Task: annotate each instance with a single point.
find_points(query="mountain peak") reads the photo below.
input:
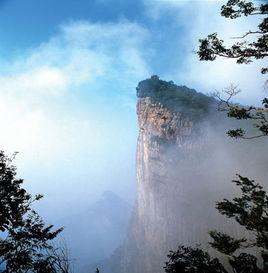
(176, 98)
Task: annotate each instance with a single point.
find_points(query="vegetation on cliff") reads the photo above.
(176, 98)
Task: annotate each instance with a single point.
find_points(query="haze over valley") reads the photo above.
(120, 115)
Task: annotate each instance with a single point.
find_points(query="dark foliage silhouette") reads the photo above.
(25, 240)
(194, 260)
(250, 210)
(243, 52)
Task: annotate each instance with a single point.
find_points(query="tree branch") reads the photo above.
(249, 33)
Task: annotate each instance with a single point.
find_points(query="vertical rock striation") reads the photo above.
(175, 182)
(157, 192)
(167, 134)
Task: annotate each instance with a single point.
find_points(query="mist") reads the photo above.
(185, 164)
(68, 99)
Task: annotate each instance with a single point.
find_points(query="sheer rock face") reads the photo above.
(169, 148)
(162, 217)
(158, 219)
(155, 166)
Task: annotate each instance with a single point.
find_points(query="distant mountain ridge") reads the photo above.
(94, 234)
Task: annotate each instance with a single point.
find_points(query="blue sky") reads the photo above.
(68, 75)
(28, 23)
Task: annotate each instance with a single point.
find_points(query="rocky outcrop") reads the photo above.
(179, 174)
(168, 133)
(155, 220)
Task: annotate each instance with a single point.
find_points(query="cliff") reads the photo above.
(184, 162)
(168, 132)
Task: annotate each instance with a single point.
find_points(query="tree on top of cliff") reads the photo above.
(243, 52)
(25, 240)
(176, 98)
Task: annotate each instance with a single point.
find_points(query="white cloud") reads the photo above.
(41, 79)
(52, 109)
(80, 54)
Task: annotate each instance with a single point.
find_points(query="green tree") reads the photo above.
(250, 210)
(192, 260)
(25, 240)
(243, 52)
